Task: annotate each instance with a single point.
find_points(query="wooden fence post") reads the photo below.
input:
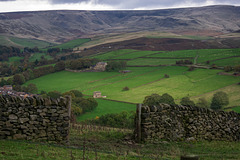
(138, 123)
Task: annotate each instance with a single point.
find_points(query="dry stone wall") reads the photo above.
(37, 119)
(186, 123)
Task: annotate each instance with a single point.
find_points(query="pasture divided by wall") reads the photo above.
(186, 123)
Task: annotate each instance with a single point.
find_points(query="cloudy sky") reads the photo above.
(33, 5)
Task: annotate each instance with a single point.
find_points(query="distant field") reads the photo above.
(151, 61)
(45, 66)
(105, 107)
(29, 42)
(182, 36)
(72, 43)
(204, 55)
(135, 54)
(113, 54)
(227, 62)
(38, 57)
(142, 81)
(220, 57)
(15, 59)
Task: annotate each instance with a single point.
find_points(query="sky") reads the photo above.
(36, 5)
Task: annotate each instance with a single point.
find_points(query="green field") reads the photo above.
(108, 144)
(142, 81)
(220, 57)
(73, 43)
(106, 106)
(151, 61)
(23, 42)
(15, 59)
(113, 54)
(227, 62)
(237, 109)
(203, 55)
(134, 55)
(37, 56)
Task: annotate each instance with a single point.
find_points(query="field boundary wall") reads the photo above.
(177, 123)
(35, 118)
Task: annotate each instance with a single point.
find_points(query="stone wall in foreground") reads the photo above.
(182, 123)
(37, 119)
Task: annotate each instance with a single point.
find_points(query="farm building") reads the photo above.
(98, 94)
(100, 66)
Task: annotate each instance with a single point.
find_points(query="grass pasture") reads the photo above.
(134, 55)
(227, 62)
(113, 54)
(237, 109)
(204, 55)
(105, 107)
(15, 59)
(151, 61)
(37, 56)
(142, 81)
(73, 43)
(23, 42)
(91, 142)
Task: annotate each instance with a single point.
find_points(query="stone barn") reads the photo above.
(100, 66)
(98, 94)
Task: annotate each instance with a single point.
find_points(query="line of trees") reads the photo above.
(219, 100)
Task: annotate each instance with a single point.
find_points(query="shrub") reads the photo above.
(166, 98)
(228, 68)
(54, 94)
(155, 99)
(86, 105)
(76, 110)
(185, 101)
(191, 68)
(125, 89)
(166, 76)
(202, 102)
(152, 100)
(115, 66)
(77, 93)
(219, 100)
(69, 94)
(119, 120)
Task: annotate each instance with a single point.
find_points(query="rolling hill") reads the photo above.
(60, 26)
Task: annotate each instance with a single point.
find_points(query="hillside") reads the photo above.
(60, 26)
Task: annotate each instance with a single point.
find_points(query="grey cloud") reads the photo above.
(131, 4)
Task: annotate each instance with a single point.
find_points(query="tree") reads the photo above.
(228, 68)
(185, 101)
(59, 66)
(219, 100)
(77, 93)
(32, 88)
(116, 65)
(202, 103)
(237, 68)
(125, 88)
(54, 94)
(152, 100)
(18, 79)
(166, 76)
(166, 98)
(69, 94)
(3, 82)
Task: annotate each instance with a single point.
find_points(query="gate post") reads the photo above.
(138, 123)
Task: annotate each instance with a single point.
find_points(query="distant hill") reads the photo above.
(60, 26)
